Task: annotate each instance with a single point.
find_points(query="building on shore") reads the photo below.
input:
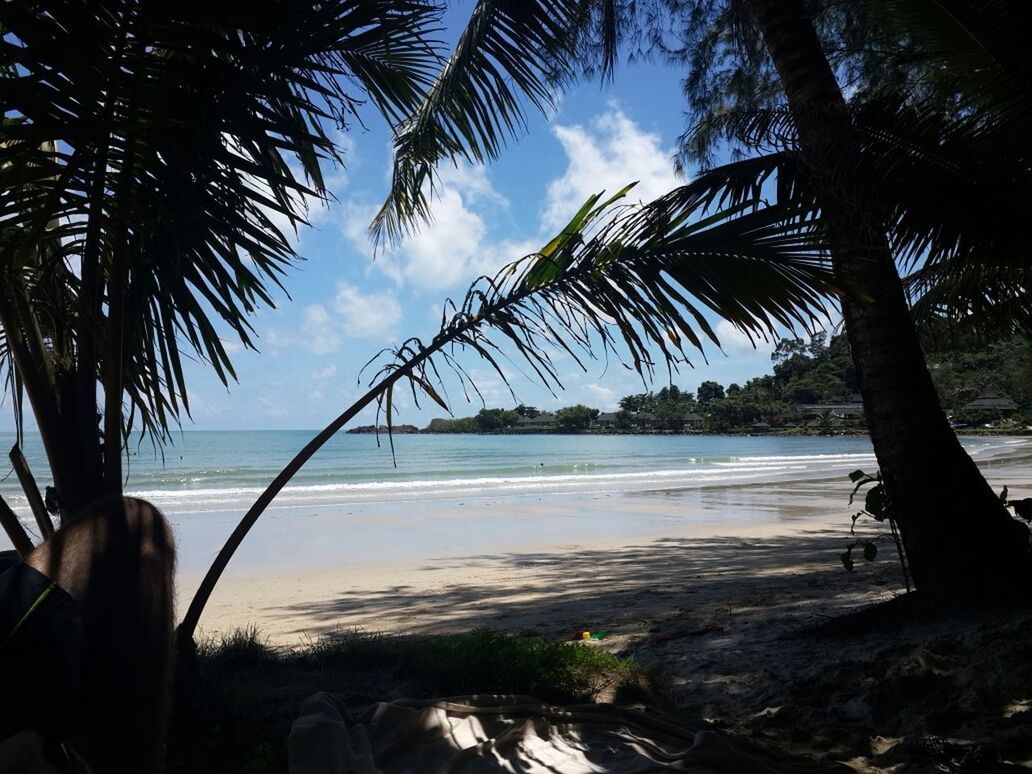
(991, 403)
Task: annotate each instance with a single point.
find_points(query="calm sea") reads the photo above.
(224, 471)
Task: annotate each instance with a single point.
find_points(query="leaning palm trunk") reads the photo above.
(959, 538)
(629, 286)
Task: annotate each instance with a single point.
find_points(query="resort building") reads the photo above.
(989, 401)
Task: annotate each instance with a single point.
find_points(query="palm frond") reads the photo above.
(510, 52)
(973, 48)
(168, 151)
(988, 301)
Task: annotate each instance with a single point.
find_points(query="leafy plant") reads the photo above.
(1022, 508)
(877, 506)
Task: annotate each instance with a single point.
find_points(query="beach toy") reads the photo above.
(585, 635)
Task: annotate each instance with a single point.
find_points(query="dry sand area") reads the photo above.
(743, 624)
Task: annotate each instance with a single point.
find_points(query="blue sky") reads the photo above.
(345, 305)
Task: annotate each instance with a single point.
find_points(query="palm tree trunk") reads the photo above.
(959, 539)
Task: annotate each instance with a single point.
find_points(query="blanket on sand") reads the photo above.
(511, 734)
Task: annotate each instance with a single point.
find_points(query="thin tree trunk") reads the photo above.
(959, 539)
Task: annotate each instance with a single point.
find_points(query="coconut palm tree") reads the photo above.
(858, 168)
(154, 160)
(960, 540)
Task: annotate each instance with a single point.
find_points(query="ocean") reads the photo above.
(450, 497)
(224, 471)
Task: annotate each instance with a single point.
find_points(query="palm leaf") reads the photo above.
(510, 51)
(165, 153)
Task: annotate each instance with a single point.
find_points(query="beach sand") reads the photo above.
(726, 592)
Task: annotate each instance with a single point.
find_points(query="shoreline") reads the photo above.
(303, 578)
(730, 433)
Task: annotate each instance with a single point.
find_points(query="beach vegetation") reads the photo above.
(249, 691)
(709, 391)
(574, 418)
(495, 419)
(877, 506)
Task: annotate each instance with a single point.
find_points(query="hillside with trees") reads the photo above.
(812, 389)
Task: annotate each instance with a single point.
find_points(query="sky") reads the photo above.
(345, 303)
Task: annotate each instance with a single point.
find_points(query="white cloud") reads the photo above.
(472, 182)
(320, 331)
(610, 153)
(458, 244)
(442, 253)
(736, 342)
(323, 374)
(370, 316)
(453, 247)
(605, 397)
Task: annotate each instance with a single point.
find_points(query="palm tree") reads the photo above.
(961, 541)
(154, 158)
(620, 283)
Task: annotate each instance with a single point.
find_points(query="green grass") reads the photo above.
(482, 661)
(249, 692)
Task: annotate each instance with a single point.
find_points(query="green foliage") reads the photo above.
(962, 365)
(573, 418)
(640, 402)
(1022, 508)
(746, 407)
(877, 506)
(479, 661)
(249, 692)
(458, 425)
(624, 420)
(487, 420)
(709, 391)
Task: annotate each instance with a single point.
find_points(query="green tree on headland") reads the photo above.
(708, 391)
(495, 419)
(577, 417)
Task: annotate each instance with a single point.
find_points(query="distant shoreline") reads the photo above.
(789, 433)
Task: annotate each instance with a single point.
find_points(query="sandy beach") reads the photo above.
(731, 615)
(653, 557)
(671, 548)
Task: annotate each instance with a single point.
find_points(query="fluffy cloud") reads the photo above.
(323, 374)
(605, 397)
(736, 342)
(458, 244)
(452, 248)
(370, 316)
(321, 333)
(607, 154)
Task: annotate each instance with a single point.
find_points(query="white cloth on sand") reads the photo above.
(510, 734)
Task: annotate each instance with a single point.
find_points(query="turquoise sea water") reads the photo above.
(225, 471)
